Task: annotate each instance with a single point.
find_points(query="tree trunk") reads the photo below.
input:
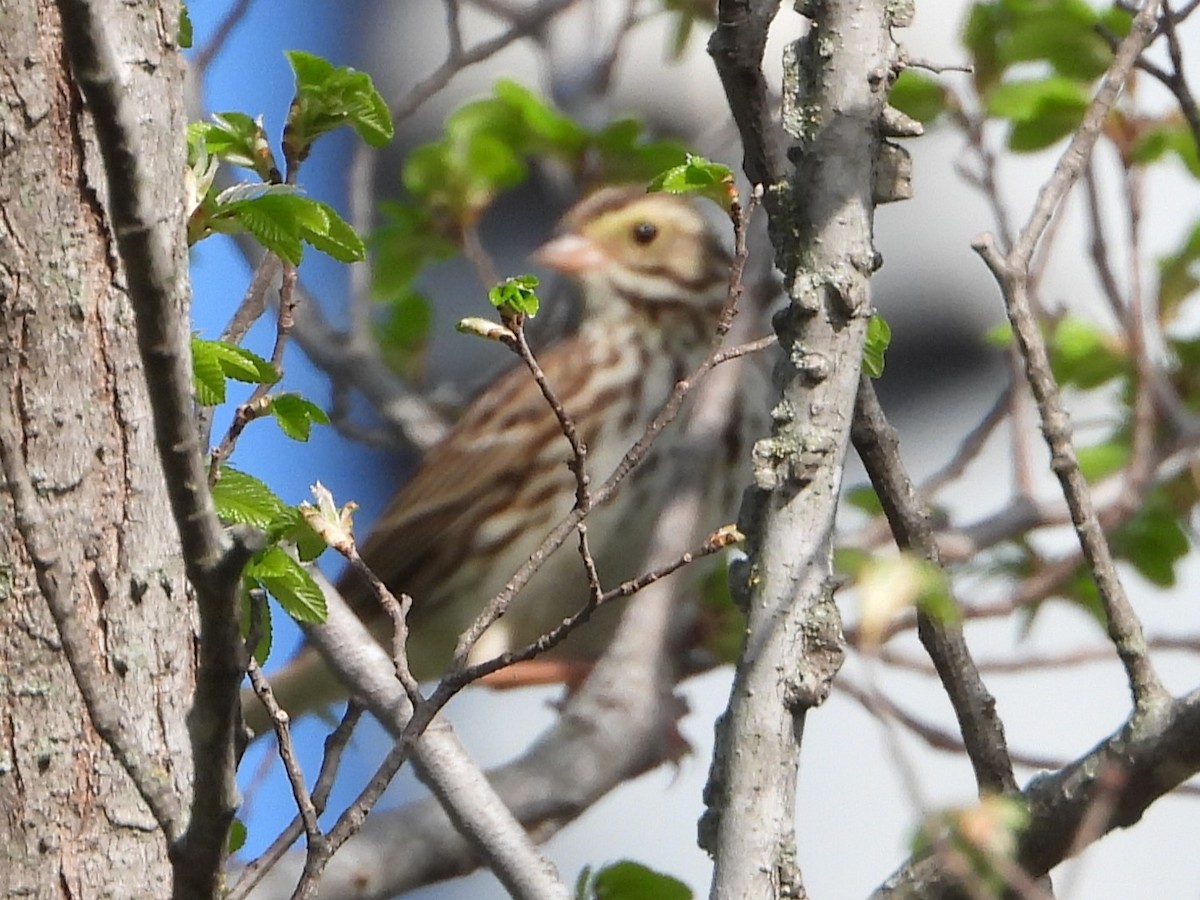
(75, 427)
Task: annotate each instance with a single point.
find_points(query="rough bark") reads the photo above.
(835, 83)
(96, 525)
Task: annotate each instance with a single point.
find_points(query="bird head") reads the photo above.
(622, 243)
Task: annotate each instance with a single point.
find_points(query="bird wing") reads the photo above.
(490, 462)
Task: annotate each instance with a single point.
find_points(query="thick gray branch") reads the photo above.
(821, 220)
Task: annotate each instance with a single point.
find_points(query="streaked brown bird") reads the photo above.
(653, 276)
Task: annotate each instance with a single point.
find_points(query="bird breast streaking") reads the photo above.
(653, 276)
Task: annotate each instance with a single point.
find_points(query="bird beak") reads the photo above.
(571, 254)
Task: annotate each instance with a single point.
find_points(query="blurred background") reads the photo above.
(854, 817)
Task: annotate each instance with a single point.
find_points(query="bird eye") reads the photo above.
(645, 232)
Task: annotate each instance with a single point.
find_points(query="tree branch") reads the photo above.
(1154, 753)
(974, 706)
(475, 810)
(1012, 274)
(618, 725)
(822, 220)
(150, 243)
(736, 48)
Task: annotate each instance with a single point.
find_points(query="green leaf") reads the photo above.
(1170, 136)
(311, 71)
(296, 415)
(516, 296)
(936, 599)
(493, 163)
(208, 378)
(1080, 590)
(1117, 20)
(282, 219)
(404, 334)
(230, 136)
(272, 221)
(237, 828)
(289, 583)
(864, 497)
(999, 336)
(486, 145)
(549, 129)
(1084, 356)
(291, 526)
(879, 336)
(237, 362)
(327, 231)
(1185, 370)
(183, 34)
(850, 562)
(241, 141)
(625, 154)
(1179, 275)
(1153, 541)
(981, 38)
(582, 882)
(697, 175)
(329, 97)
(918, 96)
(686, 14)
(628, 880)
(720, 626)
(1101, 460)
(243, 499)
(215, 361)
(1062, 33)
(1042, 111)
(407, 240)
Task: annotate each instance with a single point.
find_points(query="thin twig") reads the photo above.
(986, 179)
(254, 302)
(1143, 455)
(972, 445)
(398, 610)
(529, 23)
(357, 659)
(258, 403)
(287, 752)
(932, 735)
(456, 681)
(335, 744)
(1174, 81)
(578, 462)
(1023, 665)
(209, 52)
(1012, 273)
